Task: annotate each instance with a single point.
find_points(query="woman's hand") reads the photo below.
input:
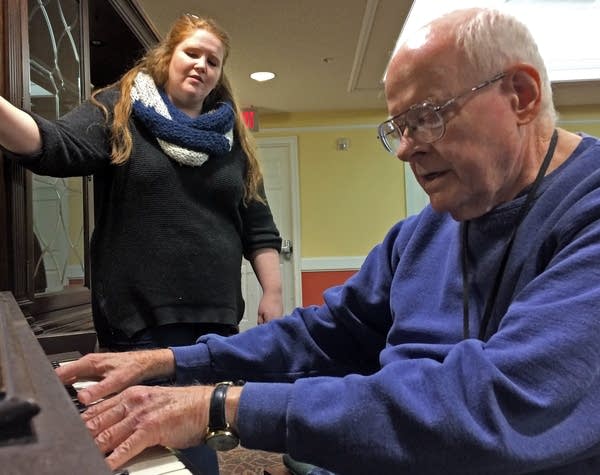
(270, 307)
(265, 263)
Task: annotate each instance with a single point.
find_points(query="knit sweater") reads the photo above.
(380, 379)
(168, 239)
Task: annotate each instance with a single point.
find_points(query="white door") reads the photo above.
(279, 161)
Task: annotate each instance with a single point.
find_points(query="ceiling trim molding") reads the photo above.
(577, 121)
(140, 25)
(318, 128)
(363, 41)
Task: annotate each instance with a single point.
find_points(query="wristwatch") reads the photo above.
(219, 434)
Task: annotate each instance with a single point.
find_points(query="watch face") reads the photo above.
(222, 440)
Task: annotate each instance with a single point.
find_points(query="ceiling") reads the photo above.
(327, 54)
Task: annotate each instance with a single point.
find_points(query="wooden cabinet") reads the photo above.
(53, 54)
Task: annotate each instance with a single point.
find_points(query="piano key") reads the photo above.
(156, 461)
(79, 385)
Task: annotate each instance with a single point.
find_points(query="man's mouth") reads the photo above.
(428, 177)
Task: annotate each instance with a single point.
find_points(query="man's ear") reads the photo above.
(525, 84)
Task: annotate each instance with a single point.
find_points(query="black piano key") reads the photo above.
(72, 393)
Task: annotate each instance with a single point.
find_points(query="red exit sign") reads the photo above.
(250, 118)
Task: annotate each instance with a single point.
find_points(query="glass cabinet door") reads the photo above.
(55, 87)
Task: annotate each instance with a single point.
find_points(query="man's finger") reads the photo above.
(98, 390)
(129, 448)
(112, 427)
(70, 371)
(99, 408)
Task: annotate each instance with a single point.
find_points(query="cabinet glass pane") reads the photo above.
(56, 88)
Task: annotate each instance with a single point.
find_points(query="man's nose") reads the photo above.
(406, 146)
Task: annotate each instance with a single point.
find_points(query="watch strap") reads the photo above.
(216, 415)
(219, 435)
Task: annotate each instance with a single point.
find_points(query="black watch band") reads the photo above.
(216, 416)
(219, 435)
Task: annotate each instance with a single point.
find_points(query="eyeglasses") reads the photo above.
(424, 122)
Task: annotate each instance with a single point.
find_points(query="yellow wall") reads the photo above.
(348, 199)
(580, 119)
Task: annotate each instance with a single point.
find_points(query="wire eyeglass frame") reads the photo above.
(423, 121)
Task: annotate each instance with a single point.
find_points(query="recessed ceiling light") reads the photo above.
(261, 76)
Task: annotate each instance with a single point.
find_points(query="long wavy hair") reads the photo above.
(156, 63)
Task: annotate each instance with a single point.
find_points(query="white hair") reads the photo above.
(491, 40)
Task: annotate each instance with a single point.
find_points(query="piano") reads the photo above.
(41, 431)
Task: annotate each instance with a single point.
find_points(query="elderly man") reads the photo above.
(468, 342)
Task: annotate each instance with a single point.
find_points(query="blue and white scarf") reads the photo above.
(189, 141)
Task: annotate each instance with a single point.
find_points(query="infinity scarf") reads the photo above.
(187, 140)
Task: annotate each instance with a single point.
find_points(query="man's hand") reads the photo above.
(145, 416)
(116, 371)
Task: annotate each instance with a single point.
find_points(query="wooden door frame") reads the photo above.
(17, 214)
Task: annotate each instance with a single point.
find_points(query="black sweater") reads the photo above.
(169, 238)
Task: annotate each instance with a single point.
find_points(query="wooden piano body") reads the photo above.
(55, 440)
(41, 431)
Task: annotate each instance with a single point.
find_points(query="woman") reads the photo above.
(178, 193)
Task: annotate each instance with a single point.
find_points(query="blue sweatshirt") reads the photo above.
(380, 379)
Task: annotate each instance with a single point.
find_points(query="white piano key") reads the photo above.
(156, 461)
(79, 385)
(159, 468)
